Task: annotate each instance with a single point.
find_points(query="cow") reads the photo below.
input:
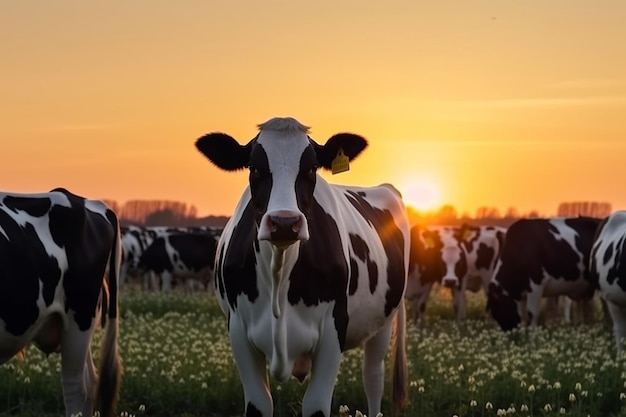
(136, 240)
(541, 257)
(306, 270)
(55, 250)
(608, 269)
(461, 258)
(189, 256)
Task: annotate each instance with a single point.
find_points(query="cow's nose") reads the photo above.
(450, 282)
(284, 227)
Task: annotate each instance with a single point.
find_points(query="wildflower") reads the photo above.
(142, 407)
(622, 396)
(547, 408)
(562, 410)
(488, 406)
(473, 403)
(523, 408)
(578, 386)
(531, 388)
(359, 414)
(557, 385)
(572, 397)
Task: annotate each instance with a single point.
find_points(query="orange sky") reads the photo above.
(495, 102)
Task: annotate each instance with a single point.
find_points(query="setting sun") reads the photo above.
(421, 194)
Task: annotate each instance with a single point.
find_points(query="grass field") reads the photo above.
(177, 362)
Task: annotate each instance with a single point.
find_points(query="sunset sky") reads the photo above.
(481, 102)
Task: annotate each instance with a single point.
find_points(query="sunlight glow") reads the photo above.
(422, 194)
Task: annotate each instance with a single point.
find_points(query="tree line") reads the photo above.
(176, 213)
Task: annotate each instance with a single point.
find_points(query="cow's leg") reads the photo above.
(166, 281)
(533, 306)
(374, 352)
(567, 308)
(78, 378)
(418, 304)
(326, 360)
(460, 303)
(618, 315)
(252, 371)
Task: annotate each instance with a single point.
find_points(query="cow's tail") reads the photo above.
(110, 370)
(400, 384)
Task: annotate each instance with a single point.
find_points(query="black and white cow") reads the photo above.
(55, 249)
(188, 256)
(136, 240)
(541, 258)
(461, 258)
(608, 267)
(307, 270)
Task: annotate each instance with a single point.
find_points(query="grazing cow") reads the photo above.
(307, 270)
(541, 258)
(608, 267)
(460, 258)
(55, 249)
(189, 256)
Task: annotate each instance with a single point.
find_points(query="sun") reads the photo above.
(422, 194)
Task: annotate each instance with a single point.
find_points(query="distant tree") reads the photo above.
(584, 208)
(487, 213)
(511, 213)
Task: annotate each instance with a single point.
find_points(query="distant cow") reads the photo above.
(188, 256)
(307, 270)
(608, 267)
(541, 258)
(54, 250)
(461, 258)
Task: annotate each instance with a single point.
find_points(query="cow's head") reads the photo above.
(283, 162)
(503, 307)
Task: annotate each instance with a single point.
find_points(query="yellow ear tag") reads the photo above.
(341, 163)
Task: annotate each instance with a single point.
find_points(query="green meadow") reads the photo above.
(177, 362)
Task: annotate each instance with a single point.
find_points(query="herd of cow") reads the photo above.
(304, 270)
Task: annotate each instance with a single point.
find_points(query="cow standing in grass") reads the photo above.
(541, 258)
(608, 267)
(307, 270)
(55, 249)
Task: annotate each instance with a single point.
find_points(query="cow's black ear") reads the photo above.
(224, 151)
(351, 144)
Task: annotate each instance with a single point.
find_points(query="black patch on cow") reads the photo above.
(484, 256)
(306, 180)
(252, 411)
(608, 254)
(321, 272)
(393, 244)
(617, 271)
(354, 276)
(260, 179)
(155, 258)
(34, 206)
(318, 413)
(351, 144)
(460, 268)
(362, 251)
(238, 273)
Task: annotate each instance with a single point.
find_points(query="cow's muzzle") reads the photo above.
(283, 227)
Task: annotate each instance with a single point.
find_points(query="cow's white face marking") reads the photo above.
(284, 146)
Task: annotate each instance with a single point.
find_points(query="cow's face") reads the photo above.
(283, 162)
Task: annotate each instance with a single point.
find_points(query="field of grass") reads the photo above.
(177, 362)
